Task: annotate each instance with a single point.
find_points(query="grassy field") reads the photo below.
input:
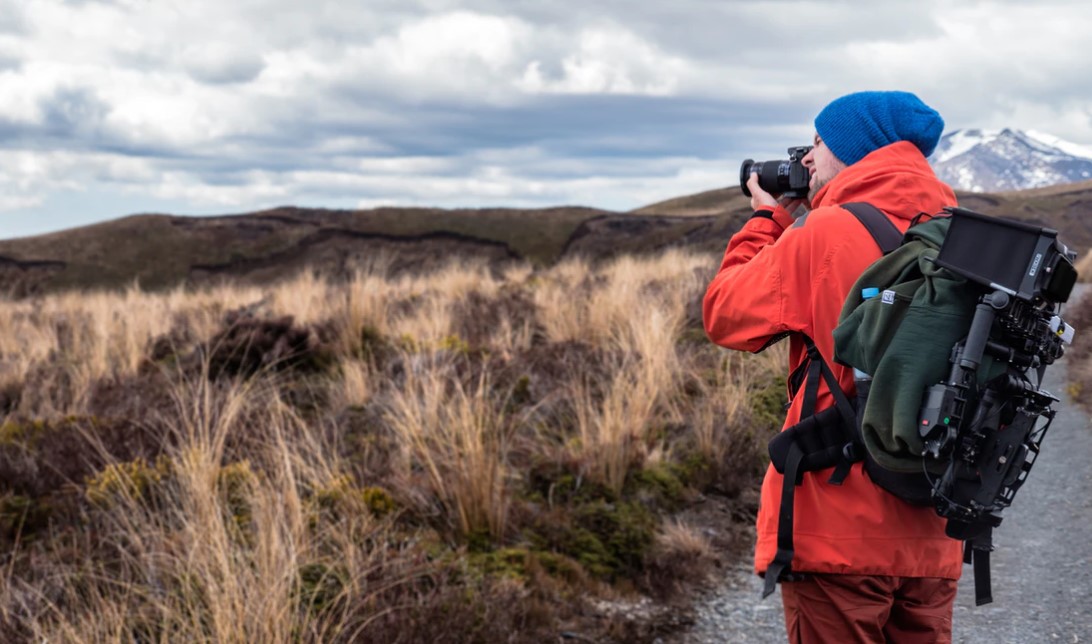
(464, 455)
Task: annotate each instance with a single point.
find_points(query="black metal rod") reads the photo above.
(984, 315)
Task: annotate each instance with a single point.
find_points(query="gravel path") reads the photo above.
(1042, 564)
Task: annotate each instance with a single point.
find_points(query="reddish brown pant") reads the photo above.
(860, 608)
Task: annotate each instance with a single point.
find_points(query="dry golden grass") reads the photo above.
(235, 475)
(216, 555)
(460, 438)
(677, 537)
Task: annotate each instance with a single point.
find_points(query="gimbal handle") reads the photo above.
(984, 315)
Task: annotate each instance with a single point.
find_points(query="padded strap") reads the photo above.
(811, 381)
(886, 235)
(818, 441)
(818, 367)
(783, 559)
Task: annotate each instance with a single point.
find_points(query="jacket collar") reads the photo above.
(895, 178)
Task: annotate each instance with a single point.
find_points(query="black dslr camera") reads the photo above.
(982, 436)
(785, 178)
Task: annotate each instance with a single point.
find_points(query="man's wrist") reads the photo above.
(782, 217)
(778, 215)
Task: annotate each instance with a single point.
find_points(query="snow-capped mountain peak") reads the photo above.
(1007, 159)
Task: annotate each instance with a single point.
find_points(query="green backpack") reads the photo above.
(949, 334)
(903, 336)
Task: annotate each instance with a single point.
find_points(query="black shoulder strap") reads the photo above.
(822, 437)
(887, 237)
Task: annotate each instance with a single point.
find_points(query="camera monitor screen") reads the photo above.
(997, 252)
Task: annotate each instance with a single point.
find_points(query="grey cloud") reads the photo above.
(73, 113)
(573, 136)
(226, 70)
(12, 18)
(604, 126)
(10, 63)
(74, 119)
(10, 132)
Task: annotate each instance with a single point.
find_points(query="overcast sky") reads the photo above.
(220, 106)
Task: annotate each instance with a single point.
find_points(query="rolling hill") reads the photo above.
(160, 251)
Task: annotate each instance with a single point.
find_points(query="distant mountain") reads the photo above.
(1004, 160)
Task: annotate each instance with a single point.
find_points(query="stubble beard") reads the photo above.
(814, 190)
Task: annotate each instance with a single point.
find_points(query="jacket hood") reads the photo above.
(895, 178)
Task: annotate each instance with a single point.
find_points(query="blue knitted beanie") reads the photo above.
(856, 124)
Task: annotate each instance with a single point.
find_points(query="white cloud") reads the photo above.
(10, 203)
(256, 187)
(445, 42)
(405, 165)
(610, 61)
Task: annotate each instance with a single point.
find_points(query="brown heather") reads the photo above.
(465, 455)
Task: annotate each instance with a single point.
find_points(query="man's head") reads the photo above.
(854, 125)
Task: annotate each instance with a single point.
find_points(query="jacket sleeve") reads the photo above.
(764, 286)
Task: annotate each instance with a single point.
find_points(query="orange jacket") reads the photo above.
(779, 276)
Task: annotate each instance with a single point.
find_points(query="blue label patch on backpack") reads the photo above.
(889, 297)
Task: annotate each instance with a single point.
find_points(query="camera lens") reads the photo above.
(773, 176)
(745, 175)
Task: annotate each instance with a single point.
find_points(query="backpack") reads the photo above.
(956, 338)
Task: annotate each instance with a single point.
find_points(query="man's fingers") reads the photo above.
(760, 199)
(752, 183)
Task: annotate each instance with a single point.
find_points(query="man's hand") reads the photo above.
(762, 200)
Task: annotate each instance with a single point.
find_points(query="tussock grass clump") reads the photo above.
(460, 437)
(460, 455)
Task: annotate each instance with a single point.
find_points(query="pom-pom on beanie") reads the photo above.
(856, 124)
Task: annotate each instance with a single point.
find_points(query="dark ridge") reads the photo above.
(31, 264)
(328, 234)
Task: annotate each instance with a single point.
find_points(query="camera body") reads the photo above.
(983, 436)
(785, 178)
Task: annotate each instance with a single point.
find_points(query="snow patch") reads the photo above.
(961, 141)
(1072, 149)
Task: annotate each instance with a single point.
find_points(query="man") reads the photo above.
(867, 567)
